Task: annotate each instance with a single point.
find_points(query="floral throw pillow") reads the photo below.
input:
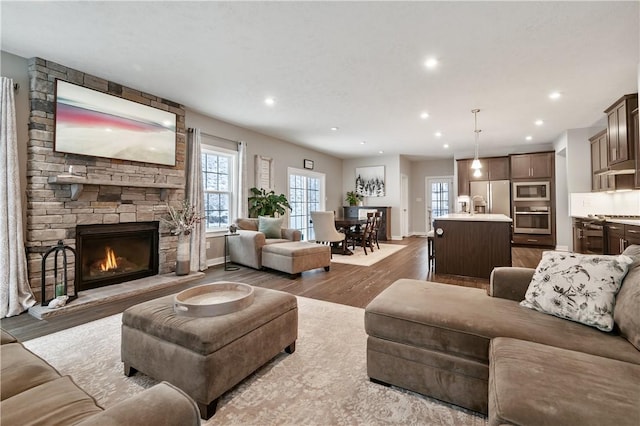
(577, 287)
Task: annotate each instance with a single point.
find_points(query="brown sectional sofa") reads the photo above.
(489, 354)
(34, 393)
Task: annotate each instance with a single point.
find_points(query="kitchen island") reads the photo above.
(472, 244)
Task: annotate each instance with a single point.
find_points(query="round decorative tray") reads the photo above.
(210, 300)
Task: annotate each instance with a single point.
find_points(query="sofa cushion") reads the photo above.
(534, 384)
(628, 300)
(270, 226)
(247, 224)
(22, 370)
(577, 287)
(461, 321)
(57, 402)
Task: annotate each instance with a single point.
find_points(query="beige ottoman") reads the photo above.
(296, 257)
(207, 356)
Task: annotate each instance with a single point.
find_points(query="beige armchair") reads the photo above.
(324, 227)
(246, 248)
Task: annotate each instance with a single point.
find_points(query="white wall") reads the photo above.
(16, 68)
(391, 199)
(573, 175)
(285, 154)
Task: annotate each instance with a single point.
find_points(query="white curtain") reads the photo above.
(195, 196)
(15, 293)
(243, 188)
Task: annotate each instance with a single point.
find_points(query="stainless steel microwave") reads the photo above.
(531, 191)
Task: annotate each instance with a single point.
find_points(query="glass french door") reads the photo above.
(439, 198)
(306, 194)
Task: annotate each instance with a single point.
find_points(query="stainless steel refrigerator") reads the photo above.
(496, 195)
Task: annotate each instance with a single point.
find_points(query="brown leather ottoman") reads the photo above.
(207, 356)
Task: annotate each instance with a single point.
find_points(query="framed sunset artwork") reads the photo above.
(88, 122)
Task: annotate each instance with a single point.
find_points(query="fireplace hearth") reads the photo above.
(115, 253)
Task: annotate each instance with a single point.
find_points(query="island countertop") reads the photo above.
(477, 217)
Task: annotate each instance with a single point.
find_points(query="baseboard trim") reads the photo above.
(215, 261)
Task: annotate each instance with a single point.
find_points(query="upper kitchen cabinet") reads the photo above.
(493, 168)
(532, 166)
(636, 138)
(498, 168)
(464, 173)
(598, 160)
(620, 132)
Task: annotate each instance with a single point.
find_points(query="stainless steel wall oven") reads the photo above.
(532, 219)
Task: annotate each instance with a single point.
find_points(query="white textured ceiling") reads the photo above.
(355, 65)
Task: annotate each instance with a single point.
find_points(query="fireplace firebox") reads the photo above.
(114, 253)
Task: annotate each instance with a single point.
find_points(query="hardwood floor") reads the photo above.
(344, 284)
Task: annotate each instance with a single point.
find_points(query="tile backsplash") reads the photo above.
(619, 203)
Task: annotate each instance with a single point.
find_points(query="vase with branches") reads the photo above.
(182, 221)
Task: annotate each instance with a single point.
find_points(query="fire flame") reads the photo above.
(110, 261)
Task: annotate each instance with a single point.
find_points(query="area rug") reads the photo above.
(324, 382)
(360, 259)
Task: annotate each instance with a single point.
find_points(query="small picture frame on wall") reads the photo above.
(308, 164)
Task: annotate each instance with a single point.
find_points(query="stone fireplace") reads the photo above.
(113, 253)
(100, 191)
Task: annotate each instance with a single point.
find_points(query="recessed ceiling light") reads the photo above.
(538, 122)
(270, 101)
(438, 134)
(529, 138)
(554, 95)
(424, 115)
(363, 142)
(431, 63)
(380, 152)
(334, 128)
(445, 146)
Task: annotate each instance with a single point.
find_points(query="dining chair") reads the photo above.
(377, 222)
(324, 228)
(364, 236)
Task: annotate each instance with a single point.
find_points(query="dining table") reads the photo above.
(343, 225)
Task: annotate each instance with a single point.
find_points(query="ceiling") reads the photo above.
(358, 66)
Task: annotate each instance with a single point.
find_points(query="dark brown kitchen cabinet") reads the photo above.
(493, 168)
(598, 145)
(532, 166)
(464, 171)
(604, 182)
(619, 129)
(498, 168)
(588, 236)
(631, 235)
(620, 236)
(615, 238)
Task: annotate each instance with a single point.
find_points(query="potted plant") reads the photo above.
(263, 203)
(353, 198)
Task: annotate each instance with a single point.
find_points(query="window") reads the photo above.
(306, 194)
(218, 168)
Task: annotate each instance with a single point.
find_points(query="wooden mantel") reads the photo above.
(77, 184)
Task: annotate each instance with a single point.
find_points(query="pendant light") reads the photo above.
(476, 165)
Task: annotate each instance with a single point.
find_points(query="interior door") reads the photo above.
(404, 203)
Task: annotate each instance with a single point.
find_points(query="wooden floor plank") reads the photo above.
(344, 284)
